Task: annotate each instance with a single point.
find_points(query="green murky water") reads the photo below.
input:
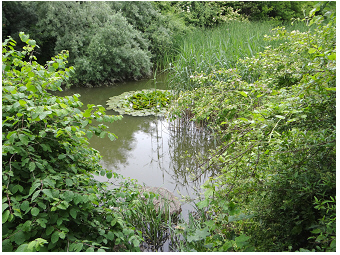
(148, 149)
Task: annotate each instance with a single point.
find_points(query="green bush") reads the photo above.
(103, 46)
(50, 200)
(272, 10)
(278, 133)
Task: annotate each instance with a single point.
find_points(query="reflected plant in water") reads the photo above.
(154, 220)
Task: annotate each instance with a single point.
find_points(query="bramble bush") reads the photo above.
(275, 114)
(50, 201)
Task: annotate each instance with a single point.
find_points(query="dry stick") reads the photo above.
(220, 153)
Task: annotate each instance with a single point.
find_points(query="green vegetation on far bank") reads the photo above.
(206, 50)
(111, 41)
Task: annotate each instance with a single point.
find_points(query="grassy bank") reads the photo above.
(205, 50)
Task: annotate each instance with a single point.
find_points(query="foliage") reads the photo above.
(278, 133)
(324, 233)
(207, 50)
(207, 13)
(212, 227)
(269, 10)
(153, 220)
(16, 16)
(103, 46)
(50, 200)
(147, 100)
(108, 41)
(141, 103)
(160, 29)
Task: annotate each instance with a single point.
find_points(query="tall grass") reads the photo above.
(205, 50)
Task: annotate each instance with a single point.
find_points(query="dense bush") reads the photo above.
(275, 114)
(107, 41)
(272, 10)
(50, 200)
(103, 45)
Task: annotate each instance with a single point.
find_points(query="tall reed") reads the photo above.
(205, 50)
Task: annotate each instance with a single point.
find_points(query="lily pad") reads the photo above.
(123, 103)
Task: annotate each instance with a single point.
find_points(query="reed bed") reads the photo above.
(205, 50)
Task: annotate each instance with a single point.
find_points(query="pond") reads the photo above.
(149, 149)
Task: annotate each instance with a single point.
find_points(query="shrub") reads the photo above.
(103, 46)
(278, 134)
(50, 200)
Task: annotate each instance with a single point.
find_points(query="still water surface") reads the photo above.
(149, 149)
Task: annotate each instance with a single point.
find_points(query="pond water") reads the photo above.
(149, 149)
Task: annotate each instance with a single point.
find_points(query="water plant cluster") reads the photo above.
(141, 103)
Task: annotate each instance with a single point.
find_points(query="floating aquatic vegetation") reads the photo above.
(141, 103)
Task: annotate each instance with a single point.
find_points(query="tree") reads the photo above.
(50, 200)
(103, 46)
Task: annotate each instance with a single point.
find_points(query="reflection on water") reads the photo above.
(148, 149)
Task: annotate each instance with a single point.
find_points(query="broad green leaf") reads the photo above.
(7, 246)
(203, 204)
(69, 182)
(25, 205)
(111, 136)
(49, 230)
(22, 248)
(62, 235)
(200, 234)
(89, 134)
(280, 117)
(102, 134)
(31, 166)
(35, 195)
(332, 56)
(78, 247)
(48, 193)
(243, 93)
(4, 207)
(35, 211)
(55, 237)
(22, 102)
(312, 50)
(5, 216)
(109, 175)
(110, 235)
(19, 237)
(73, 213)
(32, 42)
(23, 37)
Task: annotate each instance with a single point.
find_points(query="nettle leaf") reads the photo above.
(200, 234)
